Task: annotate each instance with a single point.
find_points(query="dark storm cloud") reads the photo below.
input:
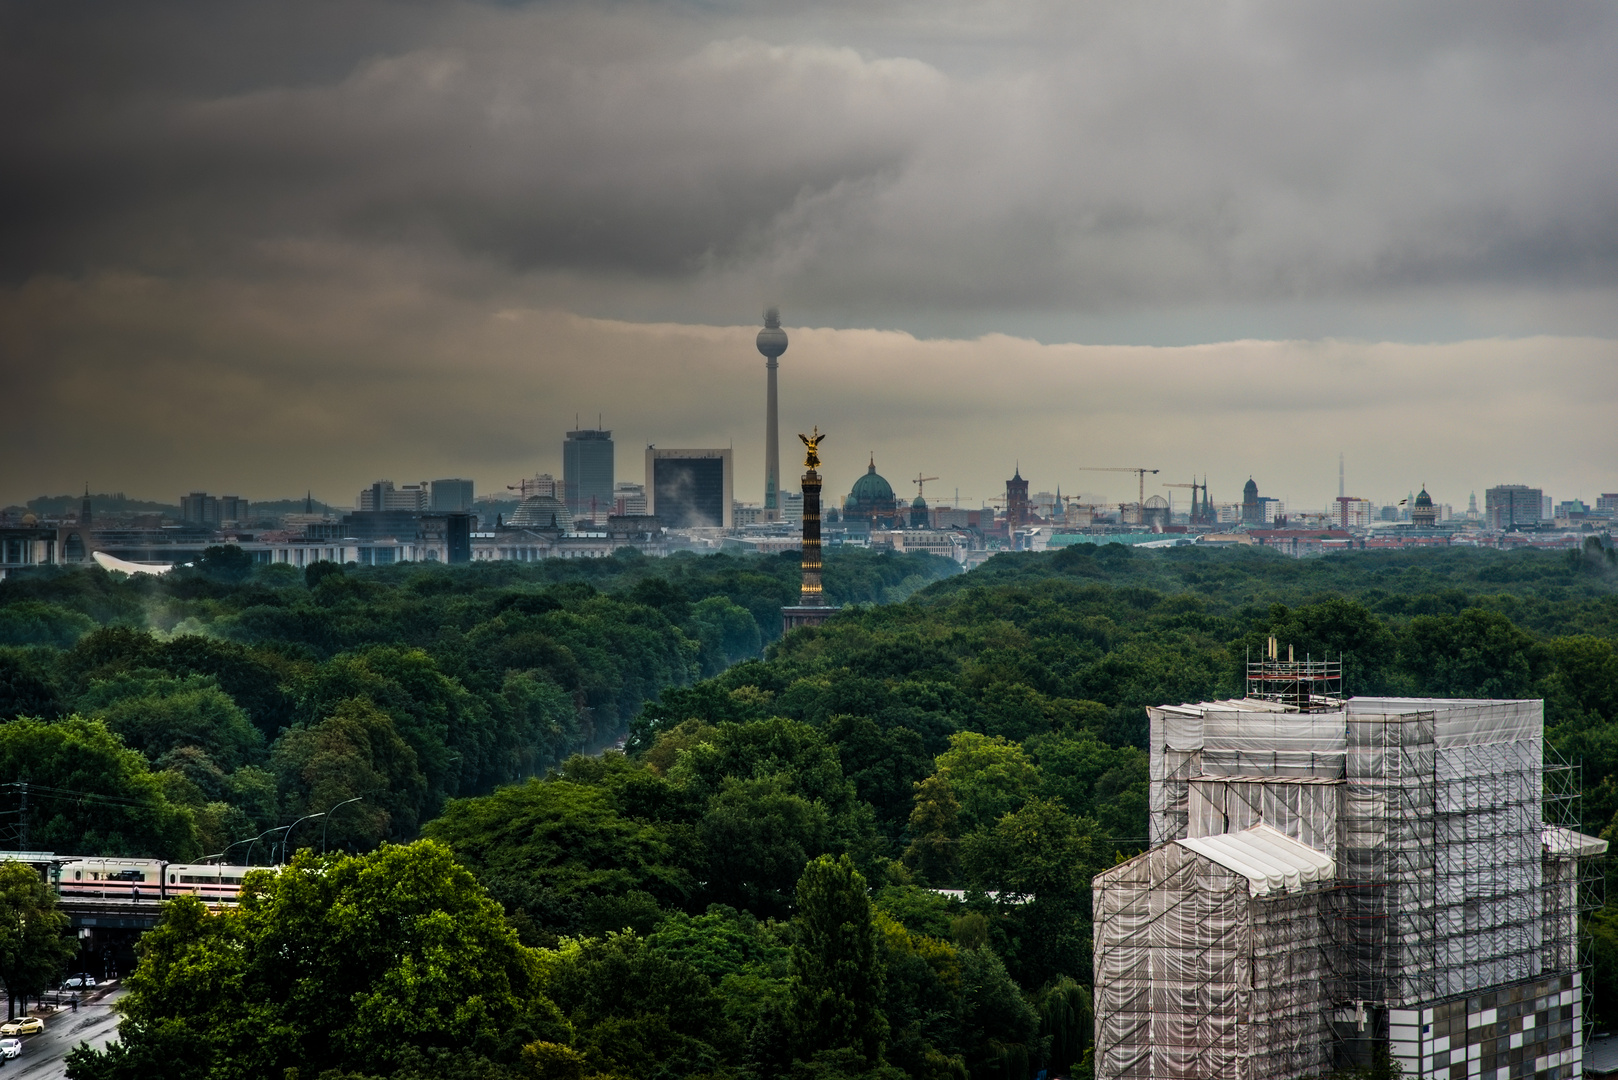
(261, 247)
(868, 160)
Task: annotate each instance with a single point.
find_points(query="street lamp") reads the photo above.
(255, 840)
(288, 834)
(327, 822)
(238, 843)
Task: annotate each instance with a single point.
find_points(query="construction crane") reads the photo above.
(1139, 472)
(919, 481)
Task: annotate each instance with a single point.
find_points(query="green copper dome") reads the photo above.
(872, 498)
(871, 488)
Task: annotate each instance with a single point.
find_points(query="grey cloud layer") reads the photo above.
(259, 246)
(858, 162)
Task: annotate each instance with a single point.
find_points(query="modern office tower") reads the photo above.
(382, 495)
(772, 342)
(587, 474)
(1333, 881)
(690, 489)
(1509, 506)
(792, 507)
(451, 496)
(199, 508)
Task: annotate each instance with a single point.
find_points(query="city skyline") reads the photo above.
(1278, 440)
(344, 245)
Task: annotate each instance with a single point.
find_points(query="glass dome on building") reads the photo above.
(542, 512)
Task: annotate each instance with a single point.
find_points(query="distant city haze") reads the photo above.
(347, 241)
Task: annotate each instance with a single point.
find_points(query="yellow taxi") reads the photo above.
(23, 1025)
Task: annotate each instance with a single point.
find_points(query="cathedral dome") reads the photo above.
(542, 512)
(1250, 491)
(871, 487)
(872, 498)
(1424, 499)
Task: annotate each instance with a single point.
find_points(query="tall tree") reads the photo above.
(836, 966)
(34, 948)
(379, 964)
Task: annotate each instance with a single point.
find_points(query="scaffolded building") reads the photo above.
(1438, 924)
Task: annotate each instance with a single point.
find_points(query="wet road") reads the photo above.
(42, 1054)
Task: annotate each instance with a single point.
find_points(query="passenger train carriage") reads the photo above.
(142, 880)
(208, 882)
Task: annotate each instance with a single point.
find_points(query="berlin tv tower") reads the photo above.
(772, 342)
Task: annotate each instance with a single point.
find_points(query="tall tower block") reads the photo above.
(772, 342)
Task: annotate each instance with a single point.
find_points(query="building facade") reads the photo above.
(1511, 506)
(382, 495)
(452, 497)
(691, 489)
(587, 473)
(200, 508)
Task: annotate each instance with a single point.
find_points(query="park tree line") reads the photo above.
(943, 774)
(174, 717)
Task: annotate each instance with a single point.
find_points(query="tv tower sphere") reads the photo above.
(772, 340)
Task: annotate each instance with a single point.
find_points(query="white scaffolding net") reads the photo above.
(1457, 880)
(1212, 963)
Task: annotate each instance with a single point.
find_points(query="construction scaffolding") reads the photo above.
(1235, 956)
(1306, 685)
(1459, 873)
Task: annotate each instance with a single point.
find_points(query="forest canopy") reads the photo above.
(881, 830)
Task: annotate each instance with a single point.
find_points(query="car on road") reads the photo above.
(79, 982)
(23, 1025)
(10, 1048)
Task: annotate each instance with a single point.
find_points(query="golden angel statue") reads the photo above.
(811, 460)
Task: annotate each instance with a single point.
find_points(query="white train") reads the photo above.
(140, 880)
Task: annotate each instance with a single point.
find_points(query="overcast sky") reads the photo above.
(259, 248)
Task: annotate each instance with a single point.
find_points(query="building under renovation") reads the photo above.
(1333, 880)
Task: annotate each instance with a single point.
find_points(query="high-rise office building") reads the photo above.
(1509, 506)
(382, 495)
(690, 489)
(200, 508)
(587, 474)
(451, 496)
